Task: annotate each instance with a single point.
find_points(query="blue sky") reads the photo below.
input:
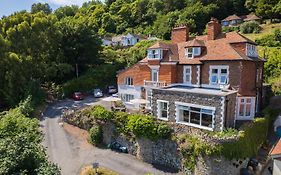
(8, 7)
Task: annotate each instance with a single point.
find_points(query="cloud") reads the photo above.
(64, 2)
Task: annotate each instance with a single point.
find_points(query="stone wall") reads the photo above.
(219, 166)
(199, 99)
(161, 152)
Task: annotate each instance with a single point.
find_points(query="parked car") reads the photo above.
(97, 93)
(77, 96)
(111, 89)
(117, 147)
(115, 95)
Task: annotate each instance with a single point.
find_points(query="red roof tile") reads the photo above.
(276, 151)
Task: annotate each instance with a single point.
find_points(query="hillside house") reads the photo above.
(122, 40)
(208, 81)
(234, 20)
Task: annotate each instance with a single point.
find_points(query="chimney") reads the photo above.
(180, 34)
(214, 29)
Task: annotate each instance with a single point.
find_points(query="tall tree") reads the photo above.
(40, 7)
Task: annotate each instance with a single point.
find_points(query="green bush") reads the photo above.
(96, 135)
(250, 27)
(146, 126)
(230, 28)
(276, 86)
(164, 131)
(141, 126)
(271, 40)
(121, 119)
(100, 113)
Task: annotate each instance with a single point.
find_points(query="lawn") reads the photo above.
(266, 29)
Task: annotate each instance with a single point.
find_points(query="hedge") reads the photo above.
(96, 135)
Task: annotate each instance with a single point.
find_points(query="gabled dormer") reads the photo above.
(155, 53)
(251, 50)
(194, 48)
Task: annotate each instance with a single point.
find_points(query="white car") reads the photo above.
(97, 93)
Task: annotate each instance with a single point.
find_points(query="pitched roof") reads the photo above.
(276, 151)
(222, 48)
(250, 17)
(231, 17)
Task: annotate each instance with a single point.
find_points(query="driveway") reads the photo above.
(67, 145)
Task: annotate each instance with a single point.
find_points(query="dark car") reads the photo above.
(117, 147)
(97, 93)
(111, 89)
(77, 96)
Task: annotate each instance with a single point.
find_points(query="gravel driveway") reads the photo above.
(67, 145)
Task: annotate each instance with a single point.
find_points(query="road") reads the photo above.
(67, 145)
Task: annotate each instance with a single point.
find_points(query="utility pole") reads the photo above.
(76, 67)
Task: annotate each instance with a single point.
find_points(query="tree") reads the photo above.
(40, 7)
(66, 11)
(20, 147)
(80, 43)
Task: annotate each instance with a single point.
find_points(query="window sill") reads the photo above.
(194, 125)
(161, 118)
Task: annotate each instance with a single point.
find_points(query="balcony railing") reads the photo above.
(154, 83)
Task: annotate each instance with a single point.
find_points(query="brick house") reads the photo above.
(208, 81)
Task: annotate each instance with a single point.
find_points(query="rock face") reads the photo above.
(160, 152)
(218, 166)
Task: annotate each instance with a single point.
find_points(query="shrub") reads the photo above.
(164, 131)
(141, 126)
(146, 126)
(276, 86)
(230, 28)
(96, 135)
(100, 113)
(250, 27)
(271, 40)
(121, 119)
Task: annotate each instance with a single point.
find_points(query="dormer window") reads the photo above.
(154, 54)
(251, 50)
(191, 52)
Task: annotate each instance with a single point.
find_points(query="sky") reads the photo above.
(8, 7)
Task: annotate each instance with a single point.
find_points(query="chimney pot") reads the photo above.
(180, 33)
(214, 29)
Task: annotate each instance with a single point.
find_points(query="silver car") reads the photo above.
(97, 93)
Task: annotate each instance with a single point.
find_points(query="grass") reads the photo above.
(100, 171)
(266, 29)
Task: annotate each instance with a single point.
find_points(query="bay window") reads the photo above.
(195, 115)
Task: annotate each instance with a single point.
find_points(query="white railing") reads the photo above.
(154, 83)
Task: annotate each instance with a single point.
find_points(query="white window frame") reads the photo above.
(149, 98)
(190, 52)
(251, 50)
(159, 112)
(245, 103)
(154, 54)
(157, 75)
(186, 106)
(219, 75)
(127, 97)
(129, 81)
(185, 74)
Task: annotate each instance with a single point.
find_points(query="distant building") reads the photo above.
(234, 20)
(123, 40)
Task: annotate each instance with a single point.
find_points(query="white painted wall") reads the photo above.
(276, 167)
(133, 90)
